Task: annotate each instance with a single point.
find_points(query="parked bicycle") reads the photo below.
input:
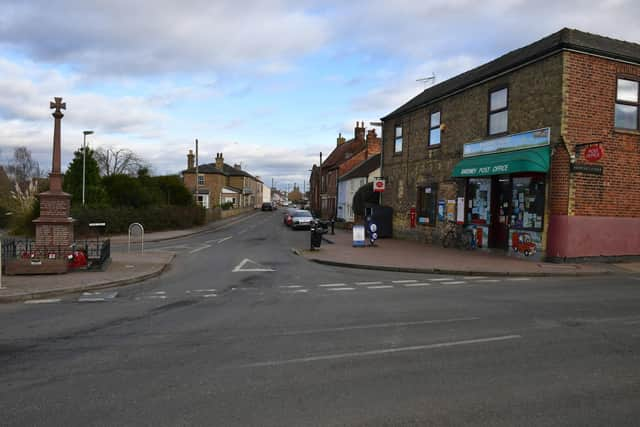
(455, 234)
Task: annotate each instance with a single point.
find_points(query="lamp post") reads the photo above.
(84, 158)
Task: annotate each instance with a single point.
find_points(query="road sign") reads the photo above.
(593, 153)
(378, 185)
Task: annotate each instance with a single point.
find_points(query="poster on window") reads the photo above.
(441, 210)
(460, 211)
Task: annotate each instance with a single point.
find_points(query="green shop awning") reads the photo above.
(529, 160)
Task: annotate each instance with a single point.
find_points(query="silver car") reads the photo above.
(301, 219)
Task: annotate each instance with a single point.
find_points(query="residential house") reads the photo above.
(536, 152)
(352, 181)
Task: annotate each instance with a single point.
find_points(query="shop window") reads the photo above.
(527, 202)
(398, 140)
(627, 103)
(427, 205)
(498, 111)
(479, 196)
(434, 128)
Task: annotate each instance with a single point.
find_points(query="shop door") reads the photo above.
(500, 212)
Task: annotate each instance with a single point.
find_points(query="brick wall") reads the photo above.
(535, 101)
(590, 105)
(212, 182)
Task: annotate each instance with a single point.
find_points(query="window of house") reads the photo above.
(434, 128)
(498, 111)
(200, 179)
(627, 103)
(427, 204)
(398, 144)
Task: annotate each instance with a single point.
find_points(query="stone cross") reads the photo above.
(57, 115)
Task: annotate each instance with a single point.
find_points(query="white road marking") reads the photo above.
(633, 322)
(341, 289)
(209, 295)
(331, 285)
(160, 292)
(380, 352)
(290, 286)
(413, 285)
(241, 267)
(43, 301)
(380, 287)
(457, 282)
(377, 326)
(224, 239)
(403, 281)
(368, 283)
(488, 280)
(518, 279)
(164, 248)
(441, 279)
(474, 277)
(155, 296)
(298, 291)
(199, 249)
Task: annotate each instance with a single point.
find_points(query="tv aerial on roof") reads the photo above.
(425, 80)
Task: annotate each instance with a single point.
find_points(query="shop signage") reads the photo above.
(378, 185)
(593, 153)
(358, 235)
(585, 168)
(517, 141)
(485, 170)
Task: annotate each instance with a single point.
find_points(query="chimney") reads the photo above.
(238, 166)
(341, 140)
(359, 131)
(219, 162)
(190, 160)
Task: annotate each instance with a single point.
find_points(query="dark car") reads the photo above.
(301, 219)
(267, 206)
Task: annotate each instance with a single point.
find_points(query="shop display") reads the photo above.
(528, 202)
(479, 201)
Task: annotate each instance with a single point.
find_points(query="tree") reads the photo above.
(23, 168)
(118, 161)
(124, 190)
(94, 191)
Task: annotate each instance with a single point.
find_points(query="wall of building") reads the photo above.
(212, 182)
(535, 101)
(600, 214)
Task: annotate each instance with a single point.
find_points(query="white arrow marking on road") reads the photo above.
(241, 267)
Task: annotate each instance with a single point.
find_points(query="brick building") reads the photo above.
(343, 158)
(219, 182)
(537, 151)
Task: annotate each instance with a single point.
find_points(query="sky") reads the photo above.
(270, 84)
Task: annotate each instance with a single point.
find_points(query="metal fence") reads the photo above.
(97, 251)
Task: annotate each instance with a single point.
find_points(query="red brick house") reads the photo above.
(343, 158)
(537, 151)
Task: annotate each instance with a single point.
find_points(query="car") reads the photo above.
(267, 206)
(288, 215)
(301, 219)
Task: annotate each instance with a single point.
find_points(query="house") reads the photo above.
(220, 183)
(295, 195)
(341, 160)
(352, 181)
(536, 152)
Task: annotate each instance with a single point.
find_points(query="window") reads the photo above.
(498, 111)
(398, 144)
(203, 200)
(528, 202)
(627, 102)
(200, 179)
(479, 205)
(427, 204)
(434, 128)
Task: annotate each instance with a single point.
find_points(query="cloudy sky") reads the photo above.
(268, 83)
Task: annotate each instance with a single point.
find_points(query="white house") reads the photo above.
(352, 181)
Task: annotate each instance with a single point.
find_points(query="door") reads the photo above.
(500, 212)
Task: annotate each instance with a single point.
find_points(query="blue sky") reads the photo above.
(269, 84)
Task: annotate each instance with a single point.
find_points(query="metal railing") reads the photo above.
(98, 252)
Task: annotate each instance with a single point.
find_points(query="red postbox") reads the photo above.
(479, 236)
(412, 217)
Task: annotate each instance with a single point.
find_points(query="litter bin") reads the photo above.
(316, 232)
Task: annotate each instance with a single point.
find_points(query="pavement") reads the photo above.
(416, 257)
(123, 269)
(388, 254)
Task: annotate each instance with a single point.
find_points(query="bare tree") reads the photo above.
(115, 161)
(22, 167)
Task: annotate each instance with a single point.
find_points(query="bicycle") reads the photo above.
(455, 234)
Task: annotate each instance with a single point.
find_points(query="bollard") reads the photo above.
(333, 222)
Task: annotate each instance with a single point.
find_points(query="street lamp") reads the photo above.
(84, 158)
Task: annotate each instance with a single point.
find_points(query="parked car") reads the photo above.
(267, 206)
(301, 219)
(288, 215)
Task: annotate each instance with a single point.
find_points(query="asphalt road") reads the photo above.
(241, 331)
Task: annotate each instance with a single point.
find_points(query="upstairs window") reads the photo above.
(200, 179)
(434, 128)
(398, 141)
(498, 111)
(627, 102)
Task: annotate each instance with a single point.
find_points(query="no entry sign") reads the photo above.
(378, 185)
